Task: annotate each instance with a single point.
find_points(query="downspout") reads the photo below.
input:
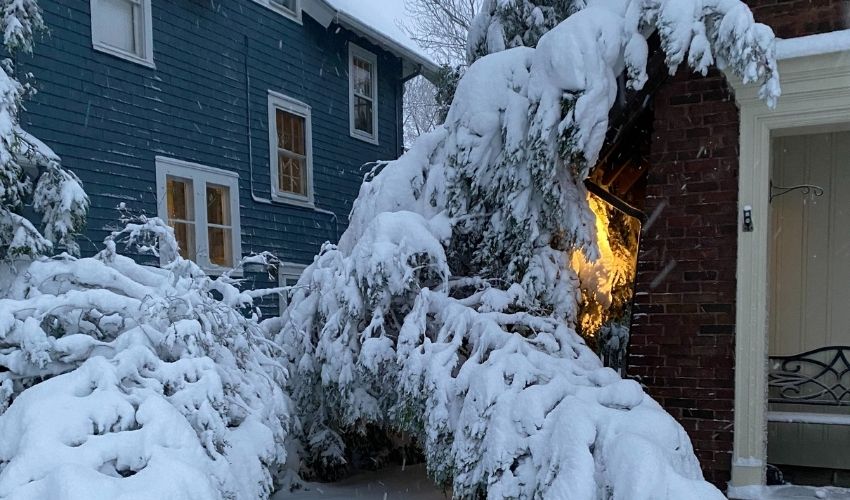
(254, 196)
(248, 128)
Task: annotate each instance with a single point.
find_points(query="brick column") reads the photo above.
(793, 18)
(683, 336)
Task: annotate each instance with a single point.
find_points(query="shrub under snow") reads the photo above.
(133, 382)
(447, 309)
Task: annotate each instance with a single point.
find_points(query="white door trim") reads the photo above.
(815, 92)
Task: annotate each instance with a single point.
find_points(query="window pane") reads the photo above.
(115, 23)
(362, 77)
(363, 115)
(218, 205)
(298, 139)
(290, 132)
(184, 233)
(286, 4)
(179, 196)
(220, 241)
(281, 122)
(291, 175)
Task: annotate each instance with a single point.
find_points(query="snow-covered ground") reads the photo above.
(408, 483)
(790, 492)
(411, 483)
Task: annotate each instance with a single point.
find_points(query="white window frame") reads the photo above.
(201, 175)
(282, 102)
(288, 270)
(146, 31)
(361, 53)
(295, 16)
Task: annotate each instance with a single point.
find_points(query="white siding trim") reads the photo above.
(815, 92)
(201, 175)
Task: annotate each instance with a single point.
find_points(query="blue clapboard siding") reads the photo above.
(108, 118)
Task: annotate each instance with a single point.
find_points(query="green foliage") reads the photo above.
(30, 173)
(446, 87)
(504, 24)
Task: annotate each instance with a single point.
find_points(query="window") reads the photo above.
(363, 93)
(290, 139)
(123, 28)
(289, 8)
(288, 275)
(202, 205)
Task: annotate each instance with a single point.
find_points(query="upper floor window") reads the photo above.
(202, 205)
(123, 28)
(289, 8)
(363, 93)
(291, 152)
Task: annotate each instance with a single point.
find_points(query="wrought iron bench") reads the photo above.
(819, 378)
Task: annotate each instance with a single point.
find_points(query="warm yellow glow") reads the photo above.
(600, 279)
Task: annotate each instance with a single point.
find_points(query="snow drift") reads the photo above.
(447, 309)
(154, 388)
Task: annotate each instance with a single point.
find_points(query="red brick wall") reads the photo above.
(682, 342)
(683, 333)
(792, 18)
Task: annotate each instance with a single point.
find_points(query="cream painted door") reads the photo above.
(810, 281)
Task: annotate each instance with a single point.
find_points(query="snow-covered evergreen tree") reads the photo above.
(30, 173)
(504, 24)
(119, 380)
(447, 310)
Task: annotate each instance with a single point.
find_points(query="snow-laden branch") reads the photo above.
(30, 172)
(134, 381)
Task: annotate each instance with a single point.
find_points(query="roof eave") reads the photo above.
(414, 63)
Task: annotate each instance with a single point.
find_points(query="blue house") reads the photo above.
(244, 123)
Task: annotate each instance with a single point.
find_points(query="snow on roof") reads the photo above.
(379, 19)
(822, 43)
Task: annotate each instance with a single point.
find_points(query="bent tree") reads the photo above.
(447, 310)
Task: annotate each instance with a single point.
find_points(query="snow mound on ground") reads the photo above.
(154, 388)
(78, 435)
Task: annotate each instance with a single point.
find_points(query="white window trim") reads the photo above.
(354, 50)
(201, 175)
(147, 34)
(815, 93)
(295, 16)
(296, 107)
(288, 270)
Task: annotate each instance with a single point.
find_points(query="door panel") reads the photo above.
(810, 281)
